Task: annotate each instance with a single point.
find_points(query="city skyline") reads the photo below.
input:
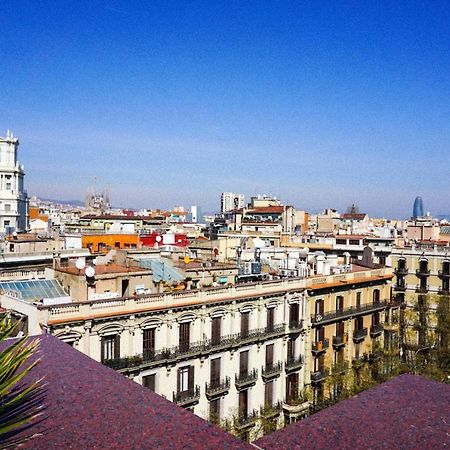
(175, 103)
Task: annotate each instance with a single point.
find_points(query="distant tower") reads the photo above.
(13, 198)
(418, 208)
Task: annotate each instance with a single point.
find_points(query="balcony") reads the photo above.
(246, 379)
(347, 313)
(422, 272)
(217, 388)
(422, 289)
(340, 341)
(444, 274)
(443, 290)
(195, 349)
(271, 371)
(358, 362)
(319, 376)
(400, 286)
(293, 364)
(401, 271)
(295, 326)
(376, 330)
(320, 346)
(296, 405)
(359, 335)
(340, 368)
(187, 398)
(245, 420)
(270, 411)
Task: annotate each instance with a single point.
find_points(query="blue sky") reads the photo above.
(321, 104)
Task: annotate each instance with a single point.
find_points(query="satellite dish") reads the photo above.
(158, 238)
(15, 233)
(80, 263)
(90, 272)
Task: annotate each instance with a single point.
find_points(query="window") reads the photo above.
(8, 186)
(243, 363)
(185, 378)
(268, 394)
(358, 299)
(270, 319)
(319, 307)
(216, 330)
(214, 411)
(291, 349)
(110, 347)
(339, 303)
(7, 207)
(269, 355)
(148, 343)
(184, 336)
(148, 381)
(243, 403)
(245, 319)
(376, 296)
(293, 314)
(215, 372)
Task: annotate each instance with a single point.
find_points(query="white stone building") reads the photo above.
(13, 197)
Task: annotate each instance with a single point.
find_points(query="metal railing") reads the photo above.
(319, 375)
(271, 370)
(359, 335)
(351, 311)
(376, 329)
(246, 378)
(295, 363)
(340, 341)
(191, 395)
(194, 349)
(320, 346)
(217, 387)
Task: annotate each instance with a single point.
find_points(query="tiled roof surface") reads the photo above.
(407, 412)
(89, 406)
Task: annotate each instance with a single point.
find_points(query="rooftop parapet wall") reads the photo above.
(54, 314)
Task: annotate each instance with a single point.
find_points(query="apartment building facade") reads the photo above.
(422, 280)
(242, 352)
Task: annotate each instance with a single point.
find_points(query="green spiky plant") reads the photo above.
(17, 405)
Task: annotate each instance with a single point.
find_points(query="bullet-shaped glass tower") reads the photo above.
(418, 208)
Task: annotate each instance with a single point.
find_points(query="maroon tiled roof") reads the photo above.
(407, 412)
(89, 406)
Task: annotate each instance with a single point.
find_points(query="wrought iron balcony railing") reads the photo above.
(193, 349)
(423, 272)
(320, 346)
(247, 419)
(345, 313)
(293, 364)
(340, 341)
(444, 274)
(401, 271)
(188, 397)
(217, 388)
(270, 371)
(295, 326)
(376, 330)
(359, 335)
(319, 375)
(268, 411)
(246, 379)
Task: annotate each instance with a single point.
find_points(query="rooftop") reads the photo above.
(406, 412)
(87, 405)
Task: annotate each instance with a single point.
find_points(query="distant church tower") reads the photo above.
(13, 198)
